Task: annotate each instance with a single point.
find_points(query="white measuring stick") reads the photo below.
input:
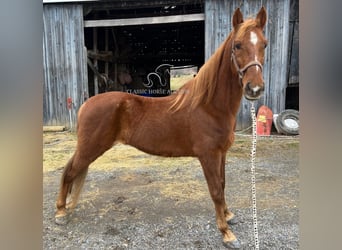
(253, 153)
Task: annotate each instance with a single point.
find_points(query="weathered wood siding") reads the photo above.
(293, 64)
(65, 72)
(218, 15)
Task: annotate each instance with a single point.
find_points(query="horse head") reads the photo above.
(248, 48)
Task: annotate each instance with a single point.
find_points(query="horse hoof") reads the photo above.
(61, 220)
(235, 244)
(233, 221)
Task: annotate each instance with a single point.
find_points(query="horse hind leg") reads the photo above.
(65, 187)
(74, 175)
(76, 188)
(92, 142)
(71, 182)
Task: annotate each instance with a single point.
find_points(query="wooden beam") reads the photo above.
(144, 20)
(106, 56)
(136, 4)
(53, 128)
(107, 50)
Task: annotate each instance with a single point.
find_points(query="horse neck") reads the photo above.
(228, 91)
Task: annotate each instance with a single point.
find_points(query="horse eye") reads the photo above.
(265, 45)
(237, 46)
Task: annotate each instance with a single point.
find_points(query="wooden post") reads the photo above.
(106, 49)
(116, 53)
(96, 86)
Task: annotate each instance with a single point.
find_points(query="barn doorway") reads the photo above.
(292, 90)
(137, 54)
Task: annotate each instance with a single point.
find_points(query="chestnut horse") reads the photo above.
(197, 121)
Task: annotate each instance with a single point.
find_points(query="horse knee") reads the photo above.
(217, 195)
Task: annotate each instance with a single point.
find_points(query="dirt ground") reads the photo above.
(132, 200)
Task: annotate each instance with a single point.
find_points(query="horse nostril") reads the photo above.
(262, 88)
(248, 87)
(254, 90)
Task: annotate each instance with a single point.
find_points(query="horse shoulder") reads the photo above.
(212, 131)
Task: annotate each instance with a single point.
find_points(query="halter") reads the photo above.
(243, 70)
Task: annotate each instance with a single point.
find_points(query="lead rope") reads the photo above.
(253, 153)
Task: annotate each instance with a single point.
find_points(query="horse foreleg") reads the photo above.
(212, 168)
(230, 217)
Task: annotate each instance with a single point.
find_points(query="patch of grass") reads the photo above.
(184, 190)
(178, 82)
(59, 147)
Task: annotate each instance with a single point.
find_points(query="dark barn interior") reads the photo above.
(137, 58)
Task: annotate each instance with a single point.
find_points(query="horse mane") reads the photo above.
(201, 89)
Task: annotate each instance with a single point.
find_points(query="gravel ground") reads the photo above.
(132, 200)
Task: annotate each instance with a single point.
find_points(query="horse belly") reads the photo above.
(162, 136)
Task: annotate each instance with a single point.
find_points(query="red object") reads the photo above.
(69, 103)
(264, 121)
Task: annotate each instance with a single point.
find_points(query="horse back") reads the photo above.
(143, 122)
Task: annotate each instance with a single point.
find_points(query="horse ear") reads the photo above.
(237, 18)
(261, 17)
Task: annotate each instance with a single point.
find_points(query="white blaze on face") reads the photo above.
(254, 38)
(254, 41)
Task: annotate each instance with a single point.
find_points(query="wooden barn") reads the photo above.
(91, 47)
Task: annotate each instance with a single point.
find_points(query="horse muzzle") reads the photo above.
(253, 91)
(250, 78)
